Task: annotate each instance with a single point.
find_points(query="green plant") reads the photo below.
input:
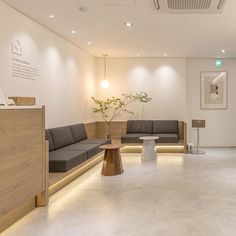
(112, 107)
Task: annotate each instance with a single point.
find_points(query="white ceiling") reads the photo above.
(152, 35)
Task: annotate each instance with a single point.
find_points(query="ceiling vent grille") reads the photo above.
(189, 6)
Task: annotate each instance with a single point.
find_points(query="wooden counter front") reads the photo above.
(22, 158)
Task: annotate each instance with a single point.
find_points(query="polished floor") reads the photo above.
(176, 196)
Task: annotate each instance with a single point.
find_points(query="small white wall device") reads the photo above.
(2, 99)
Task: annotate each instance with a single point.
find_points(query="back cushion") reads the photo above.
(78, 132)
(165, 127)
(48, 137)
(139, 126)
(61, 137)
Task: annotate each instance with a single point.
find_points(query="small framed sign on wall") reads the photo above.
(214, 90)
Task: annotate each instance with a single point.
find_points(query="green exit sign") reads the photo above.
(219, 62)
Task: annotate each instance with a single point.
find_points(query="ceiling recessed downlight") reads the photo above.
(138, 55)
(223, 50)
(73, 32)
(51, 16)
(89, 42)
(165, 54)
(128, 24)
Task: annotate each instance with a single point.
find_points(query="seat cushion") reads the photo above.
(91, 149)
(139, 126)
(165, 127)
(167, 138)
(62, 161)
(48, 137)
(97, 141)
(61, 136)
(78, 132)
(133, 138)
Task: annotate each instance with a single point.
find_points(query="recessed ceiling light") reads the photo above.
(73, 32)
(138, 55)
(51, 16)
(165, 54)
(128, 24)
(89, 43)
(223, 51)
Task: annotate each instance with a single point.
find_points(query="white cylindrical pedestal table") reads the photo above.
(149, 152)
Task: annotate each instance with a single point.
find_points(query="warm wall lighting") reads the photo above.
(105, 83)
(89, 43)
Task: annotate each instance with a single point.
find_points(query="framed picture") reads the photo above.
(214, 90)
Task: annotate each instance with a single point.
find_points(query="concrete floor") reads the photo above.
(176, 196)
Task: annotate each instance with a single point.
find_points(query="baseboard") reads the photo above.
(217, 147)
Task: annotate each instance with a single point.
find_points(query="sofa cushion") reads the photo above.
(167, 138)
(91, 149)
(133, 138)
(78, 132)
(165, 126)
(48, 137)
(98, 141)
(62, 161)
(61, 137)
(139, 126)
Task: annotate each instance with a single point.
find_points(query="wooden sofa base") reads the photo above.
(119, 128)
(162, 148)
(58, 180)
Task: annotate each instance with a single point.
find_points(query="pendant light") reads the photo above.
(105, 83)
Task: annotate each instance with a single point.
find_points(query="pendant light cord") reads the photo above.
(105, 66)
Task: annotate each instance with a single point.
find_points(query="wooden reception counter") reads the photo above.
(23, 162)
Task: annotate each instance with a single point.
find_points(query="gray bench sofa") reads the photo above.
(69, 146)
(166, 130)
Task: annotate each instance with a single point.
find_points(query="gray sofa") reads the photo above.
(166, 130)
(69, 146)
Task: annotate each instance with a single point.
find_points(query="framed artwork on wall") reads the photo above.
(214, 90)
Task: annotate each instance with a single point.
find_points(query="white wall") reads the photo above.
(220, 124)
(69, 77)
(67, 73)
(162, 79)
(174, 85)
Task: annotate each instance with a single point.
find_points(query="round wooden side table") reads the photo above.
(112, 163)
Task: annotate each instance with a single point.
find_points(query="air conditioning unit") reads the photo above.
(189, 6)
